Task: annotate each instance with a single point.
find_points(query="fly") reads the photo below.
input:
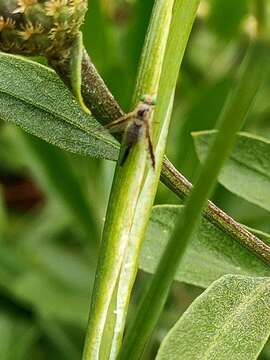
(136, 125)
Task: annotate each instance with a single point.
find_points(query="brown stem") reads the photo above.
(104, 107)
(96, 95)
(182, 187)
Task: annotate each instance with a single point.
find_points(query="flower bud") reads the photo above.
(40, 27)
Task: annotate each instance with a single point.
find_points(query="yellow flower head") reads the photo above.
(23, 5)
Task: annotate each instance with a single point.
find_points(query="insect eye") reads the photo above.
(149, 99)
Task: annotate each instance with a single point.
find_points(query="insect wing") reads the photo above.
(117, 128)
(120, 125)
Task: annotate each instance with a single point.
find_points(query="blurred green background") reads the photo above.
(52, 204)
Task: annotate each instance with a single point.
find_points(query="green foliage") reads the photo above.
(210, 254)
(40, 103)
(54, 194)
(248, 164)
(228, 321)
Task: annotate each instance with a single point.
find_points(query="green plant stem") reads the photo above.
(147, 79)
(231, 121)
(105, 329)
(183, 15)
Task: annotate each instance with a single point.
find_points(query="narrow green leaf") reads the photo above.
(34, 98)
(210, 254)
(230, 320)
(246, 173)
(75, 66)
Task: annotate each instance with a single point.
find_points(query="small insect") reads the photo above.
(135, 126)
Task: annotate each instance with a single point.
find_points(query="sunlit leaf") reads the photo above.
(230, 320)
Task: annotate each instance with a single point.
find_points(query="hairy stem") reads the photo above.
(96, 95)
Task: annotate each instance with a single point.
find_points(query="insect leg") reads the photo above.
(125, 154)
(131, 137)
(150, 146)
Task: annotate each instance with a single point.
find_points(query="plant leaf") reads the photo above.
(230, 320)
(34, 98)
(211, 253)
(247, 171)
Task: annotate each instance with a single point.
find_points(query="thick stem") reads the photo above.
(116, 268)
(96, 95)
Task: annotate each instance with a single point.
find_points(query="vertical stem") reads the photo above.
(183, 15)
(127, 185)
